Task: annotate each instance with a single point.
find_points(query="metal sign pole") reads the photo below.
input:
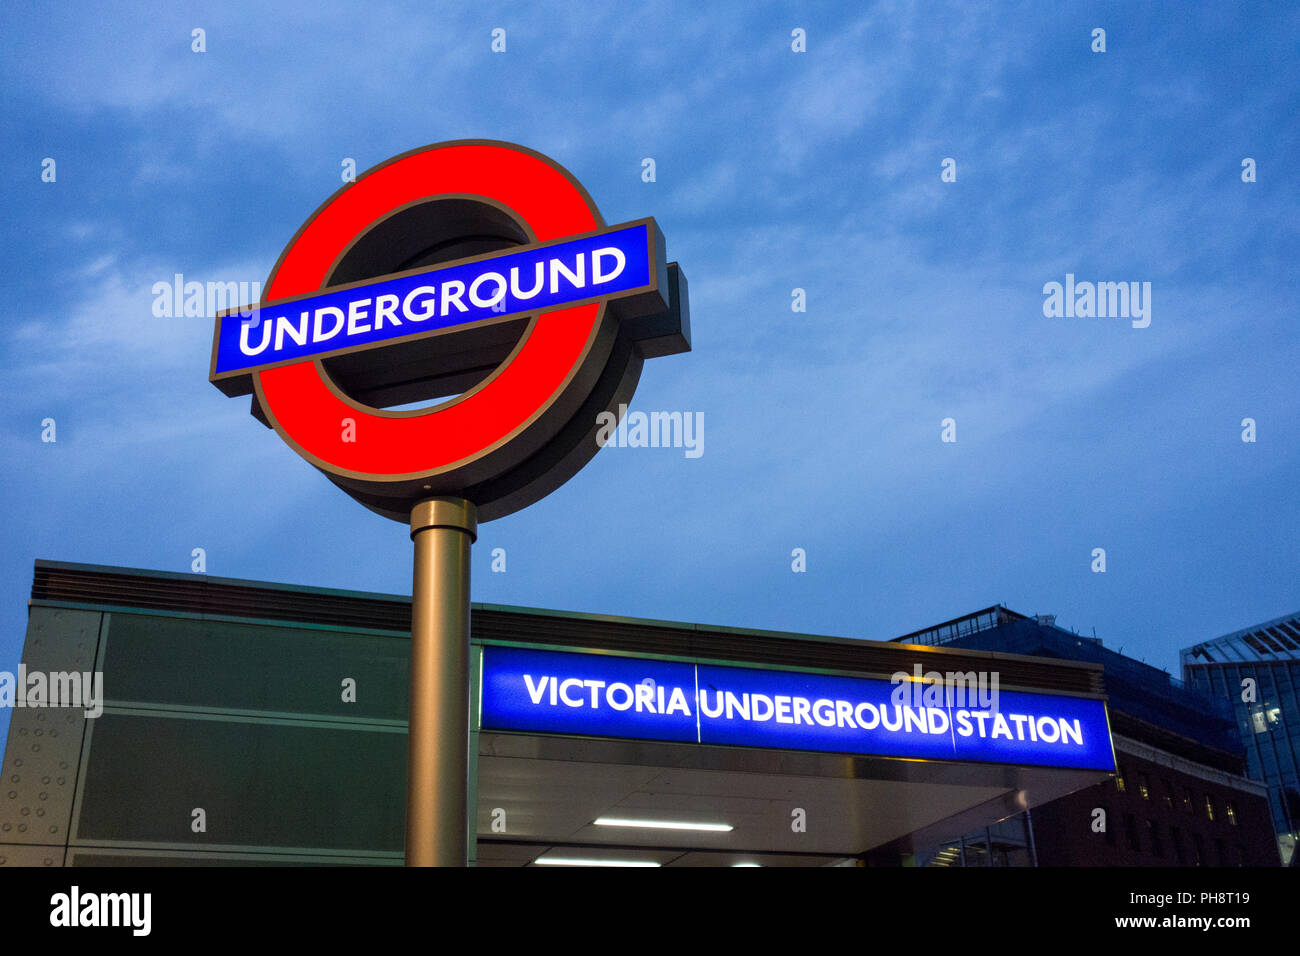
(438, 746)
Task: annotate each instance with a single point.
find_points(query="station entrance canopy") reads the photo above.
(798, 749)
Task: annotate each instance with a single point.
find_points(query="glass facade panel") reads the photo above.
(291, 795)
(1269, 656)
(264, 668)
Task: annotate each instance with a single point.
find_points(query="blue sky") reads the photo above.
(776, 170)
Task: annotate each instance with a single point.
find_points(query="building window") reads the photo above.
(1169, 793)
(1230, 812)
(1119, 778)
(1198, 850)
(1176, 838)
(1209, 808)
(1265, 717)
(1131, 832)
(1153, 836)
(1187, 801)
(1144, 786)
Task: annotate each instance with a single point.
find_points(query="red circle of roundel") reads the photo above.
(299, 397)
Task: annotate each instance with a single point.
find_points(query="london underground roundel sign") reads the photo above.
(476, 281)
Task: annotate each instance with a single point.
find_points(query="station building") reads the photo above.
(1179, 797)
(1254, 674)
(247, 723)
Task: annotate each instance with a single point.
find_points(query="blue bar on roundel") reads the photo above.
(611, 263)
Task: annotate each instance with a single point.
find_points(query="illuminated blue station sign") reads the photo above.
(603, 696)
